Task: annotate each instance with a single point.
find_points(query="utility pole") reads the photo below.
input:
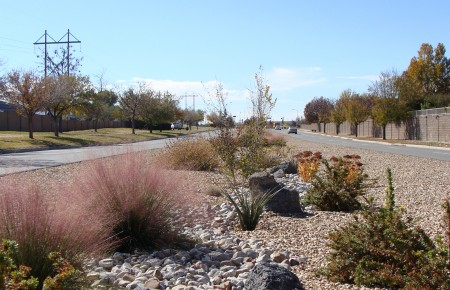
(46, 42)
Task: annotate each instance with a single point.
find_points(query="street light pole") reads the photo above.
(297, 114)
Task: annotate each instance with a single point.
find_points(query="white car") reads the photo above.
(292, 129)
(277, 127)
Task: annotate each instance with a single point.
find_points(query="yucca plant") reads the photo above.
(249, 208)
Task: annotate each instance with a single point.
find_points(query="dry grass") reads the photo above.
(190, 153)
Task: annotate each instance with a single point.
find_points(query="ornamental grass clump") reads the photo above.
(340, 187)
(190, 153)
(141, 201)
(383, 248)
(308, 164)
(45, 219)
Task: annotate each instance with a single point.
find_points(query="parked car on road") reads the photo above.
(292, 129)
(277, 127)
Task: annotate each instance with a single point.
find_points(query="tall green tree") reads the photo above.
(98, 105)
(358, 109)
(157, 108)
(26, 91)
(338, 112)
(387, 108)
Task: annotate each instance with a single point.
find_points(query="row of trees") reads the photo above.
(425, 84)
(74, 95)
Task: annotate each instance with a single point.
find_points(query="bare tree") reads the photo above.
(261, 98)
(26, 91)
(63, 92)
(130, 101)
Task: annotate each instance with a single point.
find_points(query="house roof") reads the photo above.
(4, 106)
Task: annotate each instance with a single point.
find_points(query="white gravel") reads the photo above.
(421, 185)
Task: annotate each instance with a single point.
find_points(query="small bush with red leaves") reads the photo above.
(340, 187)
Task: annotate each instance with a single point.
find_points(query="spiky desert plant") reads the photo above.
(249, 208)
(141, 200)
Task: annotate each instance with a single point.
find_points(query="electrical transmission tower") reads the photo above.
(46, 42)
(193, 100)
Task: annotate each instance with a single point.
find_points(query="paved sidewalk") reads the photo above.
(31, 160)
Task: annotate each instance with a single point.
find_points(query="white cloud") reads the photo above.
(285, 79)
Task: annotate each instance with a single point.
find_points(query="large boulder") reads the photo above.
(272, 276)
(289, 167)
(284, 201)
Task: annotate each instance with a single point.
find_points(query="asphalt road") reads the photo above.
(25, 161)
(410, 150)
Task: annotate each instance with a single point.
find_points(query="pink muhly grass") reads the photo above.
(142, 201)
(42, 222)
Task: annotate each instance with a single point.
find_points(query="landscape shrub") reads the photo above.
(340, 187)
(190, 153)
(66, 276)
(42, 222)
(308, 164)
(245, 152)
(141, 200)
(383, 248)
(13, 276)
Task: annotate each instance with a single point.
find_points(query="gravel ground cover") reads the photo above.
(420, 184)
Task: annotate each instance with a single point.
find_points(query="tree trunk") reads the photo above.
(56, 125)
(384, 132)
(30, 127)
(132, 126)
(95, 125)
(337, 129)
(356, 130)
(160, 128)
(60, 124)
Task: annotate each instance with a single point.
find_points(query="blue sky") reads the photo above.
(307, 48)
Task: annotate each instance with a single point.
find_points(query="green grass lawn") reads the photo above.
(13, 140)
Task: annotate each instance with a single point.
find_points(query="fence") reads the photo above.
(10, 121)
(425, 125)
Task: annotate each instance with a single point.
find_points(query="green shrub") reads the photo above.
(340, 187)
(382, 248)
(190, 153)
(13, 276)
(65, 277)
